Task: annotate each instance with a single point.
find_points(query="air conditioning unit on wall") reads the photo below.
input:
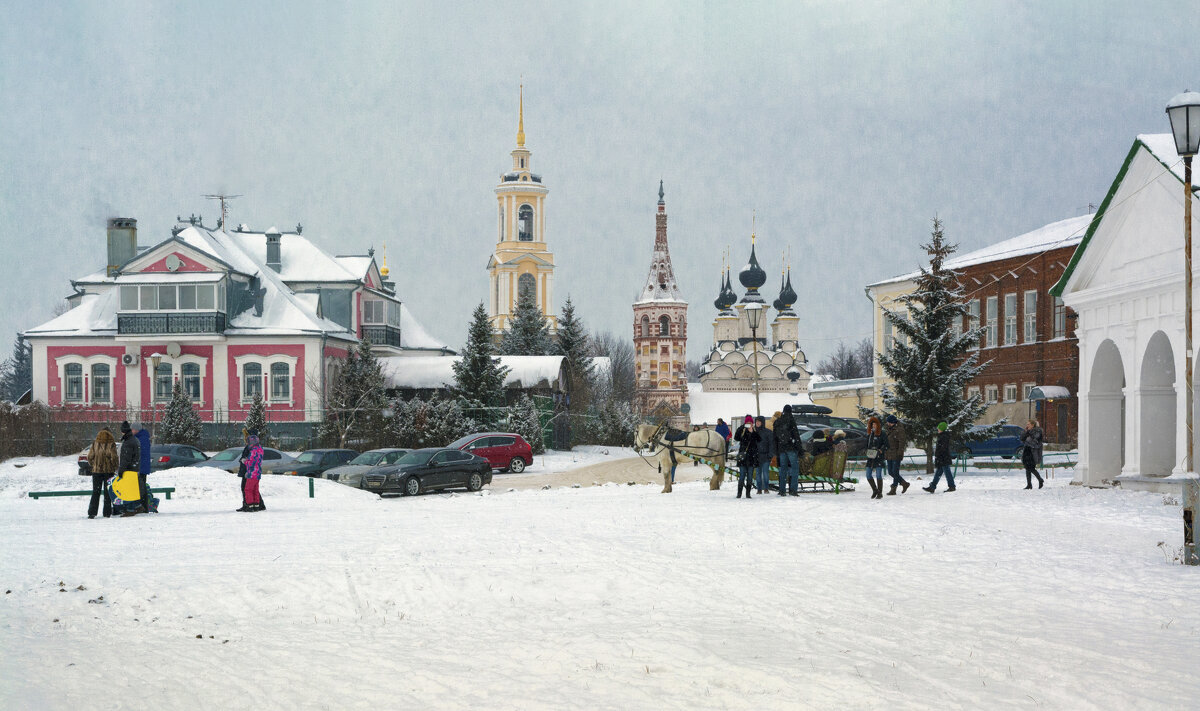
(129, 359)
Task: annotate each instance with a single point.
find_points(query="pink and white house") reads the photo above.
(226, 313)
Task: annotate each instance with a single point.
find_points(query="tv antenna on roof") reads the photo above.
(224, 209)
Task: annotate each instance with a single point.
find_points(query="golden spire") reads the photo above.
(383, 271)
(521, 120)
(753, 225)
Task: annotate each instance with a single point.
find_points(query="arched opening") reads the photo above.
(525, 223)
(1157, 393)
(502, 225)
(664, 326)
(526, 288)
(1106, 414)
(645, 327)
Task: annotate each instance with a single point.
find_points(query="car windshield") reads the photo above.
(415, 458)
(369, 459)
(456, 444)
(307, 457)
(227, 455)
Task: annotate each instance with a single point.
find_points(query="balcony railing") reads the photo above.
(381, 335)
(133, 324)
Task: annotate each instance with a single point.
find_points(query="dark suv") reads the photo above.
(312, 462)
(505, 451)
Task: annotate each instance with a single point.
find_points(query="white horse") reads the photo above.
(705, 444)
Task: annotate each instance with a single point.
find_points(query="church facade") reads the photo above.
(660, 333)
(521, 261)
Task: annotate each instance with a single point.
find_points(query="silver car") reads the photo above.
(230, 459)
(351, 474)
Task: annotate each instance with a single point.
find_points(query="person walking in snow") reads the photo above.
(787, 446)
(102, 460)
(877, 442)
(253, 464)
(747, 438)
(897, 437)
(1031, 452)
(942, 460)
(766, 452)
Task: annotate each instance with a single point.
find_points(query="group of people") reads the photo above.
(886, 443)
(106, 460)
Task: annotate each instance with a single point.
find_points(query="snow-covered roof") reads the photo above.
(355, 264)
(838, 385)
(95, 314)
(300, 259)
(1162, 145)
(1064, 233)
(435, 372)
(706, 407)
(172, 277)
(414, 335)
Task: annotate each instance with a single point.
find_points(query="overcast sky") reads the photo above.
(847, 126)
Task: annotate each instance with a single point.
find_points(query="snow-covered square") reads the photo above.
(601, 597)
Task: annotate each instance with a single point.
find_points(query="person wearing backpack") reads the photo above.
(102, 460)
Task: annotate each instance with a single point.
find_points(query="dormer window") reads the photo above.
(525, 223)
(173, 297)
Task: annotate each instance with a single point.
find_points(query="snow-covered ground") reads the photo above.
(609, 597)
(555, 461)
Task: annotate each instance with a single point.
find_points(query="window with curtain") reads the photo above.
(1031, 317)
(101, 383)
(74, 385)
(251, 380)
(281, 382)
(163, 382)
(190, 375)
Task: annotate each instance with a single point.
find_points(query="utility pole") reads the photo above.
(224, 207)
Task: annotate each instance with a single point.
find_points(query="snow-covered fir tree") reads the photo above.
(478, 376)
(429, 423)
(525, 421)
(16, 372)
(932, 362)
(529, 331)
(576, 348)
(180, 423)
(615, 424)
(256, 419)
(355, 401)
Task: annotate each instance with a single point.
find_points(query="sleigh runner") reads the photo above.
(824, 472)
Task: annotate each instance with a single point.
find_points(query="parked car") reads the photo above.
(1006, 443)
(505, 451)
(229, 459)
(856, 440)
(351, 474)
(169, 456)
(430, 469)
(312, 462)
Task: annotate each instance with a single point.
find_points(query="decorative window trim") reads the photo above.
(176, 374)
(1010, 389)
(991, 394)
(86, 362)
(265, 363)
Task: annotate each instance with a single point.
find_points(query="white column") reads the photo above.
(220, 379)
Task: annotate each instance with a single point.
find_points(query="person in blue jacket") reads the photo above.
(143, 438)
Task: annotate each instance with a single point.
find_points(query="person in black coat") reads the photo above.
(787, 446)
(1031, 452)
(821, 443)
(876, 449)
(942, 460)
(766, 452)
(747, 437)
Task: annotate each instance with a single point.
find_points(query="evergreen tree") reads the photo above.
(931, 362)
(526, 422)
(355, 401)
(429, 423)
(576, 349)
(256, 419)
(478, 375)
(529, 331)
(16, 373)
(180, 423)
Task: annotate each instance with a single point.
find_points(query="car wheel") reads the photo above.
(474, 482)
(412, 486)
(517, 465)
(1017, 454)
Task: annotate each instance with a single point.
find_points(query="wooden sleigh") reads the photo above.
(823, 473)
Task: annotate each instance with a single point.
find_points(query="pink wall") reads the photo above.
(54, 388)
(189, 265)
(280, 411)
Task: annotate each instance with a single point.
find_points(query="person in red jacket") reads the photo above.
(253, 464)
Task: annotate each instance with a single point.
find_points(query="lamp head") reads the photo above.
(1184, 112)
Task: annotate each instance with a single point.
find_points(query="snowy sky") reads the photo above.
(847, 126)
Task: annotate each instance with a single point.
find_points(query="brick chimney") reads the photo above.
(273, 255)
(122, 242)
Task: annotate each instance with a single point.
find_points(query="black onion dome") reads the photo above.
(728, 297)
(719, 302)
(788, 295)
(752, 275)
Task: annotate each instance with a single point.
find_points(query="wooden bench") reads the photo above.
(168, 490)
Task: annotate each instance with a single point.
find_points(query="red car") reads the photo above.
(505, 451)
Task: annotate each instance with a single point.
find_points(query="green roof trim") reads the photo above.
(1061, 285)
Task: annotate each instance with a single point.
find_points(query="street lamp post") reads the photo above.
(1184, 112)
(753, 315)
(155, 360)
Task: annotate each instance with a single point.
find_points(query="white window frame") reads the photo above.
(1026, 389)
(373, 302)
(86, 362)
(1010, 319)
(1010, 392)
(265, 363)
(973, 316)
(218, 297)
(176, 373)
(972, 390)
(993, 322)
(991, 394)
(1060, 318)
(1030, 316)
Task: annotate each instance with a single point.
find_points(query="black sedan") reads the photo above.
(169, 456)
(430, 469)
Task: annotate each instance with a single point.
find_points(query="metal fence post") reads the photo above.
(311, 493)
